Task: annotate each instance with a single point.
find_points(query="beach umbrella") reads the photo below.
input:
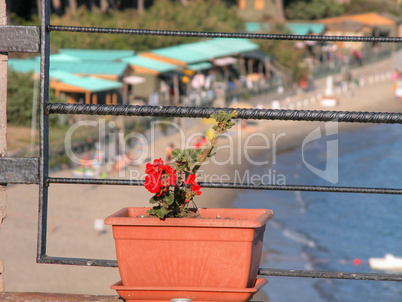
(241, 105)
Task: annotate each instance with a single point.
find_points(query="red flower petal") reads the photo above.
(190, 179)
(152, 182)
(149, 168)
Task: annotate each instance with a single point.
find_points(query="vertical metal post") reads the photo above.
(3, 125)
(176, 90)
(267, 69)
(44, 128)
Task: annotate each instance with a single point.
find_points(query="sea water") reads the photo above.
(329, 231)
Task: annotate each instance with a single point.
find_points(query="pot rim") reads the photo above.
(213, 217)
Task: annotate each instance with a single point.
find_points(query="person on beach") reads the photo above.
(246, 127)
(168, 152)
(398, 91)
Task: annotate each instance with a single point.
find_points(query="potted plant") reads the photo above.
(174, 247)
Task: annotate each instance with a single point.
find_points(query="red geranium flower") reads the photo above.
(149, 168)
(159, 177)
(171, 180)
(157, 166)
(190, 179)
(153, 182)
(195, 187)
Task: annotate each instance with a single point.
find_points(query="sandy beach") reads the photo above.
(74, 208)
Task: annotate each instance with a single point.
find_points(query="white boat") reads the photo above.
(389, 262)
(329, 102)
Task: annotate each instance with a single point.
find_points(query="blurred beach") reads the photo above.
(73, 209)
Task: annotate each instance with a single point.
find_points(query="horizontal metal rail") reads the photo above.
(329, 275)
(333, 189)
(77, 261)
(205, 112)
(261, 272)
(182, 33)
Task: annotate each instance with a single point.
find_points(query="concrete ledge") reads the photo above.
(49, 297)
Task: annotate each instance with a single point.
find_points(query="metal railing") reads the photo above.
(46, 108)
(335, 67)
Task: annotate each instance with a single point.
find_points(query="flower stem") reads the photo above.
(204, 155)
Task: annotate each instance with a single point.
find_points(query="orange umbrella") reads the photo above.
(242, 105)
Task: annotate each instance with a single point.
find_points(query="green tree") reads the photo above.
(313, 9)
(364, 6)
(20, 91)
(212, 15)
(285, 53)
(19, 98)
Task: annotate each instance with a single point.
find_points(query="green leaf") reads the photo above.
(195, 154)
(176, 153)
(161, 213)
(153, 211)
(158, 211)
(153, 200)
(169, 199)
(180, 168)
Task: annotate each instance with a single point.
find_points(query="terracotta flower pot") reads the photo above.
(222, 249)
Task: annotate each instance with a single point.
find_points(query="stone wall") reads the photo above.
(3, 126)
